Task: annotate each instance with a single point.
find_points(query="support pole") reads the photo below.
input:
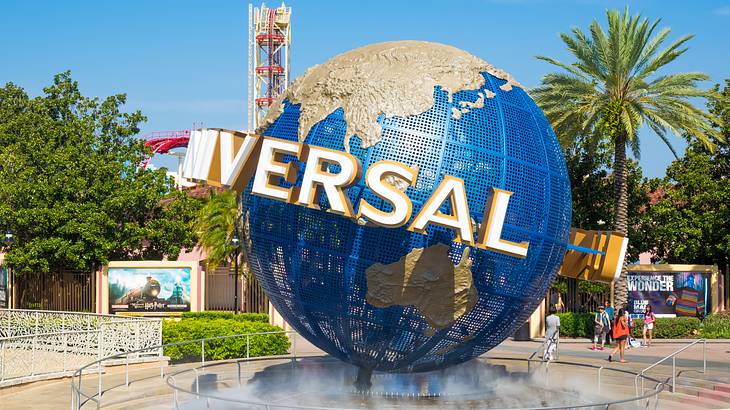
(249, 49)
(237, 244)
(363, 383)
(674, 373)
(235, 277)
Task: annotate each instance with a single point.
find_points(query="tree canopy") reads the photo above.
(688, 221)
(589, 162)
(614, 87)
(71, 189)
(215, 226)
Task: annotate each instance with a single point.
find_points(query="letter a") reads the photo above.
(450, 188)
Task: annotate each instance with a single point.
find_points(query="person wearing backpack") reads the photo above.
(620, 334)
(602, 327)
(610, 311)
(649, 321)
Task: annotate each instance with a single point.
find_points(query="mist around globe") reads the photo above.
(391, 299)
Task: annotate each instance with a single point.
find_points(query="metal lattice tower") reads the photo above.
(269, 38)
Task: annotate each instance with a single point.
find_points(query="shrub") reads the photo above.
(241, 317)
(716, 326)
(576, 324)
(235, 347)
(669, 327)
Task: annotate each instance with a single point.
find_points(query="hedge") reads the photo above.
(576, 324)
(715, 326)
(235, 347)
(241, 317)
(669, 328)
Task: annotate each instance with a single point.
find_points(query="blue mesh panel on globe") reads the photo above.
(312, 263)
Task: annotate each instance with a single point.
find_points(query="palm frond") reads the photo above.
(616, 66)
(215, 225)
(665, 57)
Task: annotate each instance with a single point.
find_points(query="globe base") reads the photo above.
(363, 382)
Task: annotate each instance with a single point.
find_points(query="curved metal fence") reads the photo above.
(83, 393)
(644, 398)
(88, 388)
(36, 344)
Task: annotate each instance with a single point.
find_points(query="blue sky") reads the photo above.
(183, 61)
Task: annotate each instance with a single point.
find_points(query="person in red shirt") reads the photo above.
(649, 322)
(620, 334)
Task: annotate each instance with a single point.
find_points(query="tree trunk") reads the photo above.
(620, 213)
(725, 273)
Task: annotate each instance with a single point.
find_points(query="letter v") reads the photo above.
(237, 170)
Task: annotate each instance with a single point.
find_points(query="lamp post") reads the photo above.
(7, 240)
(235, 242)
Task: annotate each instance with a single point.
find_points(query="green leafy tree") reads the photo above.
(71, 188)
(215, 224)
(589, 162)
(612, 90)
(688, 223)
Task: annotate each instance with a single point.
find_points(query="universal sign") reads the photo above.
(230, 159)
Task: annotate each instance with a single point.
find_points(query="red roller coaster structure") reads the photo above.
(268, 58)
(163, 142)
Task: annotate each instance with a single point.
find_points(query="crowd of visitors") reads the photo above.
(609, 326)
(619, 327)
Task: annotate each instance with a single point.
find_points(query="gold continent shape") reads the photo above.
(427, 279)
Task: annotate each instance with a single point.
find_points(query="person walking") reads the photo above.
(610, 312)
(620, 334)
(602, 327)
(552, 335)
(649, 321)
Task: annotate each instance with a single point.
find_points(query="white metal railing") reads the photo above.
(673, 356)
(79, 398)
(36, 343)
(214, 399)
(21, 322)
(98, 389)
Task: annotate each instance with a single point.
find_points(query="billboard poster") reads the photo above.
(3, 287)
(149, 290)
(668, 293)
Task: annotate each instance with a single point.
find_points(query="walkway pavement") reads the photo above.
(718, 353)
(56, 394)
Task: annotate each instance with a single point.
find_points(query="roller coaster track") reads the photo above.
(163, 142)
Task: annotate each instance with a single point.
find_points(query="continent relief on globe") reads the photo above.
(427, 279)
(394, 79)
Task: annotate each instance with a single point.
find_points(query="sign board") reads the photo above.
(669, 293)
(3, 287)
(149, 289)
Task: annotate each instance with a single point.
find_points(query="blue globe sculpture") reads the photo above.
(313, 264)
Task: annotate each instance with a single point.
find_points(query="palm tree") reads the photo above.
(613, 89)
(215, 225)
